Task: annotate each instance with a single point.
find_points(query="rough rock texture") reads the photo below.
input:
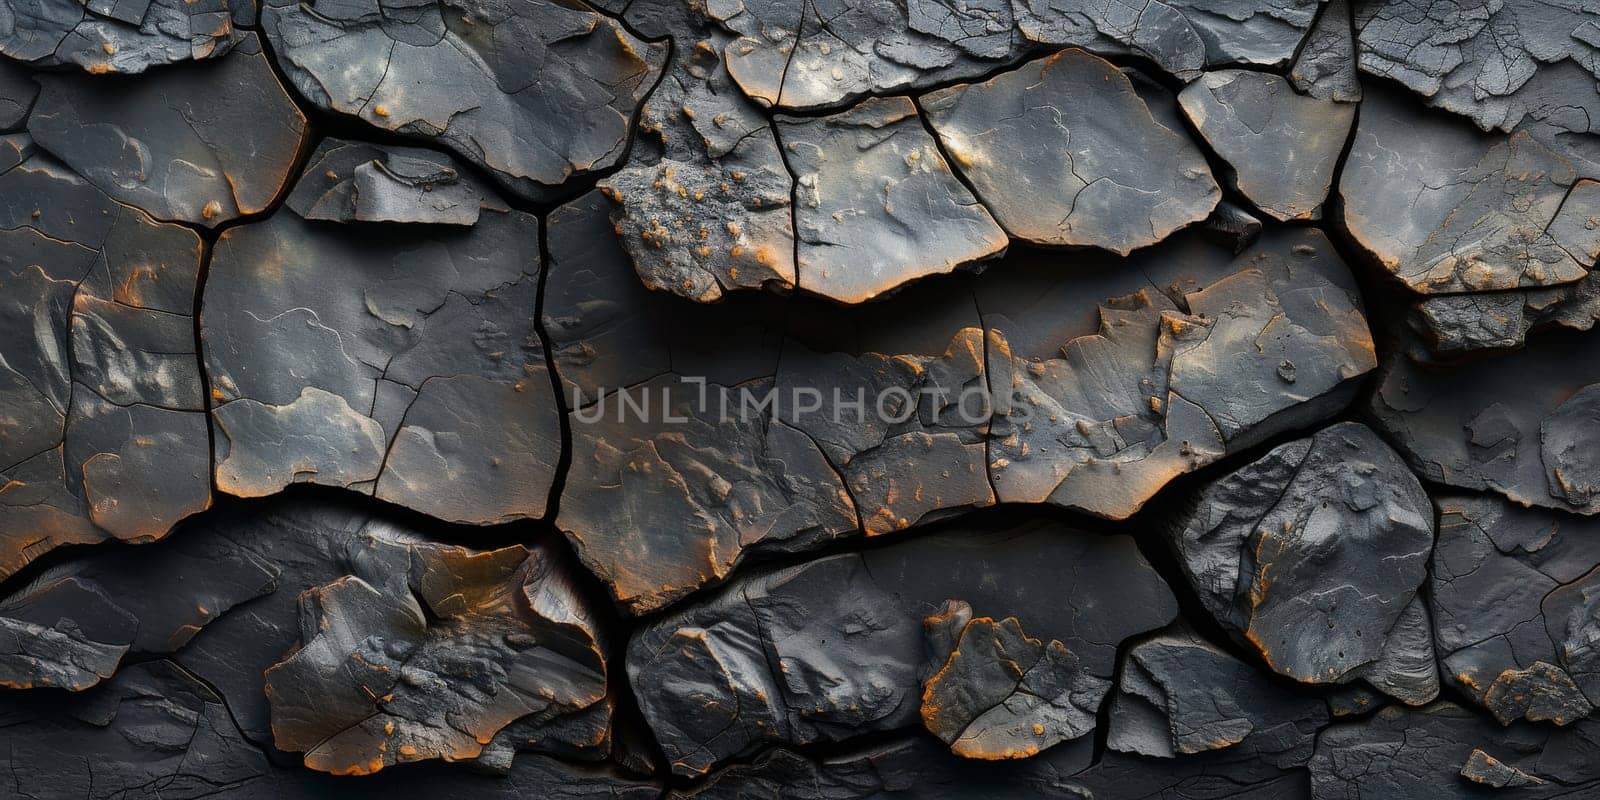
(1521, 425)
(704, 203)
(157, 731)
(103, 431)
(406, 366)
(1448, 209)
(1065, 152)
(875, 203)
(1512, 608)
(1000, 694)
(536, 92)
(355, 182)
(1312, 557)
(200, 143)
(102, 37)
(1179, 695)
(1502, 64)
(372, 683)
(1108, 384)
(1281, 146)
(1443, 748)
(1326, 68)
(833, 647)
(17, 93)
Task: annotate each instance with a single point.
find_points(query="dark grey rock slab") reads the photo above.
(1447, 209)
(197, 143)
(70, 627)
(536, 92)
(1000, 694)
(1112, 379)
(1312, 556)
(401, 361)
(1456, 326)
(104, 434)
(104, 37)
(833, 648)
(1327, 65)
(1446, 750)
(378, 677)
(1283, 147)
(1510, 608)
(1065, 152)
(1517, 424)
(876, 203)
(17, 93)
(703, 204)
(1178, 695)
(1182, 37)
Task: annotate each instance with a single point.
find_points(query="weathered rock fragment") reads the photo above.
(1326, 67)
(355, 182)
(1283, 147)
(17, 93)
(816, 54)
(102, 37)
(703, 204)
(71, 626)
(694, 441)
(1000, 694)
(1443, 750)
(1065, 152)
(406, 365)
(1518, 424)
(379, 676)
(876, 204)
(1312, 556)
(493, 624)
(103, 433)
(1232, 226)
(156, 731)
(832, 648)
(1109, 383)
(1448, 209)
(1179, 695)
(535, 92)
(198, 143)
(1511, 608)
(1503, 64)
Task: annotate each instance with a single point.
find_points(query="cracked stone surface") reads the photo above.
(1000, 694)
(1418, 752)
(1502, 64)
(535, 92)
(825, 400)
(1281, 146)
(876, 203)
(1065, 152)
(1111, 383)
(1512, 608)
(428, 370)
(128, 38)
(198, 143)
(1179, 695)
(1518, 425)
(750, 666)
(1312, 556)
(103, 434)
